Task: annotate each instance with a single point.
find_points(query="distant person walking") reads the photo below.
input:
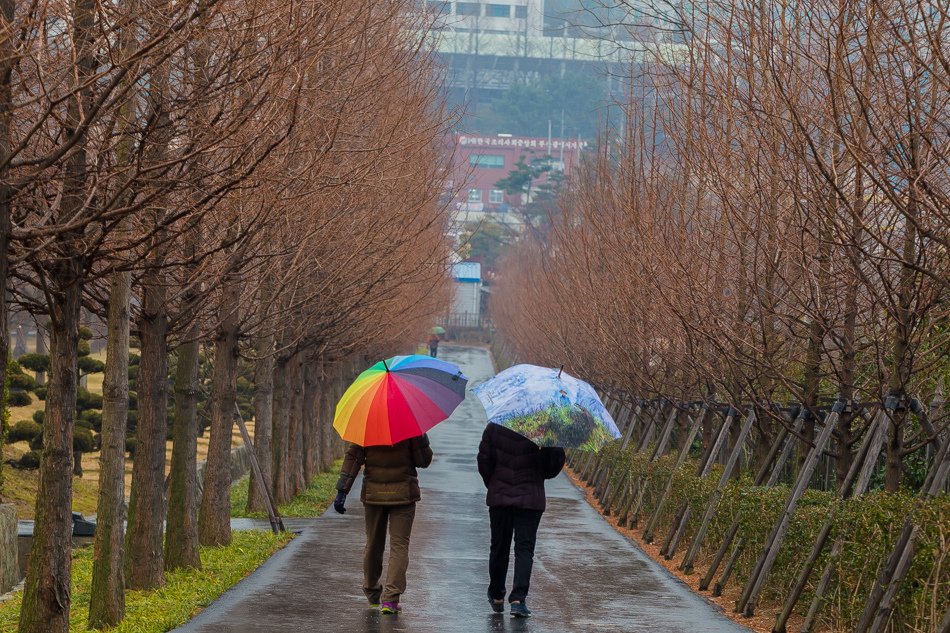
(433, 345)
(389, 495)
(514, 469)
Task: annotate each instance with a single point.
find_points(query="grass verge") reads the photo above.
(20, 486)
(309, 504)
(184, 595)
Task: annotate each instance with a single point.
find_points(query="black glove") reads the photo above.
(339, 501)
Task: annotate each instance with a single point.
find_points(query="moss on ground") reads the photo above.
(310, 503)
(184, 595)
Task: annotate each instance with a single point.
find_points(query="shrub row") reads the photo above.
(868, 527)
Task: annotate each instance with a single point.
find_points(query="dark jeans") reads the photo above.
(523, 526)
(399, 521)
(433, 350)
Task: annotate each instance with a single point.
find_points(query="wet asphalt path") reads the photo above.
(587, 577)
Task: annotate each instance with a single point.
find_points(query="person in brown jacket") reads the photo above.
(389, 495)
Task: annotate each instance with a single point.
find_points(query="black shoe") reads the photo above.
(498, 606)
(520, 610)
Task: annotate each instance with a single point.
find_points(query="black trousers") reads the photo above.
(522, 525)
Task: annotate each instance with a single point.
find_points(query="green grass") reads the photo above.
(309, 504)
(183, 596)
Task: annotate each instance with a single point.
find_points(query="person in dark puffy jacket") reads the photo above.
(514, 469)
(389, 495)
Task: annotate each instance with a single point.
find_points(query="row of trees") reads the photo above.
(256, 178)
(773, 225)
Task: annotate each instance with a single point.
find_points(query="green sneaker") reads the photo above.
(390, 608)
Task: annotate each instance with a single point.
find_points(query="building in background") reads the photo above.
(480, 161)
(466, 309)
(487, 45)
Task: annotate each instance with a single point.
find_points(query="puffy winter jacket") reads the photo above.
(514, 468)
(390, 478)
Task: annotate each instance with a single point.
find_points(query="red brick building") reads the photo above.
(480, 161)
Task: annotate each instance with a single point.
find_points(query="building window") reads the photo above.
(439, 7)
(521, 12)
(474, 195)
(493, 161)
(468, 8)
(496, 196)
(498, 11)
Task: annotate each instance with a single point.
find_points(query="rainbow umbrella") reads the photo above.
(399, 398)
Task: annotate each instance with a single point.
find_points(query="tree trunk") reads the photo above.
(281, 480)
(7, 57)
(144, 561)
(263, 419)
(325, 418)
(46, 596)
(107, 594)
(295, 432)
(40, 347)
(181, 540)
(901, 365)
(311, 412)
(214, 515)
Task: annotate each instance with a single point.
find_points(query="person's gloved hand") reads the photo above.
(338, 503)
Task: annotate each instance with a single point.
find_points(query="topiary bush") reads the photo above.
(21, 382)
(87, 400)
(35, 362)
(83, 441)
(19, 399)
(91, 419)
(29, 461)
(39, 416)
(24, 431)
(40, 393)
(89, 365)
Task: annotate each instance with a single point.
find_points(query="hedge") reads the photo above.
(868, 527)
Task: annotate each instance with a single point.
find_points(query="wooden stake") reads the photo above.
(276, 523)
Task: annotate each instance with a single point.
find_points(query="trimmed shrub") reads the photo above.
(19, 399)
(40, 393)
(87, 400)
(85, 333)
(21, 382)
(89, 365)
(868, 527)
(39, 416)
(29, 461)
(91, 419)
(35, 362)
(83, 441)
(24, 431)
(84, 348)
